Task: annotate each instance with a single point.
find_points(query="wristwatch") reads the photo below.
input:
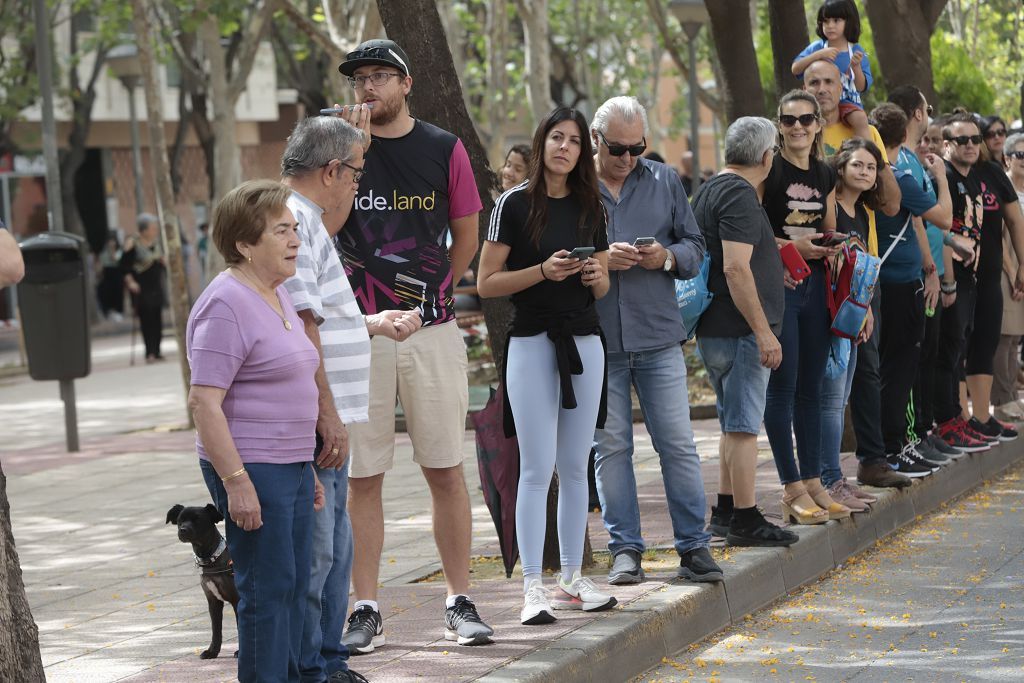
(669, 263)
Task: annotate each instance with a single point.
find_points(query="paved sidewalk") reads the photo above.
(116, 596)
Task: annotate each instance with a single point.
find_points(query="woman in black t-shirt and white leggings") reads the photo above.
(555, 363)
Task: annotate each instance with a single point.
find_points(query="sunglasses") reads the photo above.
(964, 139)
(1016, 154)
(619, 150)
(998, 133)
(789, 120)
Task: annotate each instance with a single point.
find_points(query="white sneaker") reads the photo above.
(536, 605)
(1009, 412)
(582, 594)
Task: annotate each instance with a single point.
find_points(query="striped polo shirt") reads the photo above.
(319, 285)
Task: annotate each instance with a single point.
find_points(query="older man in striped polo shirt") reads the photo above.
(322, 163)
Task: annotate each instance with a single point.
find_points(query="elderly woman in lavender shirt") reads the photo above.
(254, 401)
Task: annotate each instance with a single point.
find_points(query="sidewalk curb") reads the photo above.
(630, 640)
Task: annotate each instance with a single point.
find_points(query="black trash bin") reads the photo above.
(54, 314)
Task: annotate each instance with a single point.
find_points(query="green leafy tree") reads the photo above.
(958, 79)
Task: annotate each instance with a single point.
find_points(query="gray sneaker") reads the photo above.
(462, 624)
(626, 568)
(943, 447)
(365, 631)
(930, 453)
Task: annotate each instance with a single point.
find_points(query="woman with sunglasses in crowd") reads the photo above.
(799, 198)
(993, 129)
(555, 359)
(856, 166)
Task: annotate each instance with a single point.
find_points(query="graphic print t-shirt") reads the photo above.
(965, 192)
(394, 243)
(996, 192)
(794, 199)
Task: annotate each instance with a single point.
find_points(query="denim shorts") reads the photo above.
(740, 381)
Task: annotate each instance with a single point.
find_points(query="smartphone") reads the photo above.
(794, 262)
(831, 239)
(341, 110)
(643, 242)
(581, 253)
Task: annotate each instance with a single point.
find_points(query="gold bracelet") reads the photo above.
(235, 475)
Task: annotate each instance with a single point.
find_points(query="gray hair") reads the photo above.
(747, 139)
(317, 140)
(627, 108)
(145, 219)
(1012, 142)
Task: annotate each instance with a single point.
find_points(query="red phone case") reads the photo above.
(794, 262)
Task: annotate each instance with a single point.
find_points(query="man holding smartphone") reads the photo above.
(653, 239)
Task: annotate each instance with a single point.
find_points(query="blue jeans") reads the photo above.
(835, 393)
(739, 380)
(659, 377)
(327, 598)
(272, 563)
(795, 387)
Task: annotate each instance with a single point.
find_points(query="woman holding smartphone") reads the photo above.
(800, 201)
(555, 359)
(857, 190)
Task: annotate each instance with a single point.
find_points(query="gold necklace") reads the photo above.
(287, 323)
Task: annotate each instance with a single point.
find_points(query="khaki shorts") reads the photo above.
(427, 374)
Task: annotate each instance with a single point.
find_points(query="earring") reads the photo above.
(248, 257)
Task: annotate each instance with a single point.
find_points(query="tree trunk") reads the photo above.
(416, 26)
(903, 30)
(497, 107)
(537, 63)
(165, 193)
(788, 25)
(733, 36)
(19, 636)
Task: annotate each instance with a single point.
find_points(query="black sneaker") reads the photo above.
(930, 454)
(719, 524)
(626, 568)
(991, 431)
(908, 463)
(348, 676)
(698, 565)
(1006, 432)
(365, 630)
(463, 625)
(750, 528)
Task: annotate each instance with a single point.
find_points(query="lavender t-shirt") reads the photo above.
(237, 342)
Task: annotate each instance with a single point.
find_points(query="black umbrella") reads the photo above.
(497, 456)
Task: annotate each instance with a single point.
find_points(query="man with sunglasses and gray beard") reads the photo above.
(653, 240)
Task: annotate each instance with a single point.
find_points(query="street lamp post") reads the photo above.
(692, 14)
(124, 62)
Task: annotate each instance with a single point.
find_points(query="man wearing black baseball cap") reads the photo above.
(418, 192)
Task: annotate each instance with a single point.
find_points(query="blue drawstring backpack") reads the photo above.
(694, 297)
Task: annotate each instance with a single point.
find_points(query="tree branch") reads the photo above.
(252, 36)
(671, 46)
(312, 30)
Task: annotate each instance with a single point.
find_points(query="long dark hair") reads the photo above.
(873, 198)
(582, 182)
(840, 9)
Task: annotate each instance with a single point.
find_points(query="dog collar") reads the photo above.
(206, 562)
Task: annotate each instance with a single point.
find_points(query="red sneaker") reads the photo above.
(954, 432)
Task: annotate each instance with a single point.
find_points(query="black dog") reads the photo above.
(198, 526)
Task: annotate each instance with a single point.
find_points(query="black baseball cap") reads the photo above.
(377, 51)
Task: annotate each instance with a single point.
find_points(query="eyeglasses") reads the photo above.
(619, 150)
(997, 133)
(964, 139)
(1019, 154)
(357, 173)
(378, 79)
(789, 120)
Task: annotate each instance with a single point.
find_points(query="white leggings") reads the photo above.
(551, 436)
